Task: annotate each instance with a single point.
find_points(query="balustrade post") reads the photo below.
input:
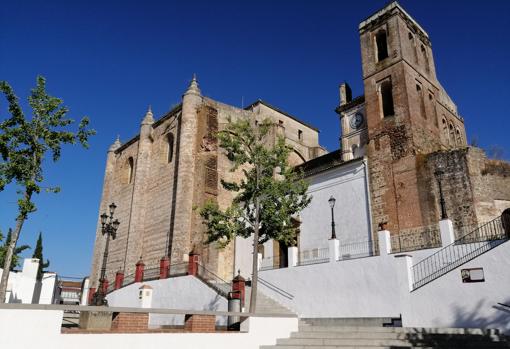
(405, 271)
(105, 285)
(139, 271)
(194, 257)
(238, 287)
(119, 279)
(334, 250)
(92, 290)
(447, 232)
(164, 267)
(384, 242)
(292, 256)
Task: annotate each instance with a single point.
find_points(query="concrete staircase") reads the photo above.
(266, 304)
(369, 333)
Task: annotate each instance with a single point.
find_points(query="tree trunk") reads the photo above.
(255, 269)
(8, 257)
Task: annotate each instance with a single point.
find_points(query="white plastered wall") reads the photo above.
(41, 329)
(185, 292)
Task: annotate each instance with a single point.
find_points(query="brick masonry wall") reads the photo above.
(130, 322)
(401, 178)
(200, 323)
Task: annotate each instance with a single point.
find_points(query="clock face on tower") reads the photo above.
(357, 121)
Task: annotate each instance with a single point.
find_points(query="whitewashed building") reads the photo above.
(23, 286)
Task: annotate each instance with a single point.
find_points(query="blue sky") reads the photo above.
(109, 60)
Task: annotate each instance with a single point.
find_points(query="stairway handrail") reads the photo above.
(216, 278)
(462, 240)
(275, 288)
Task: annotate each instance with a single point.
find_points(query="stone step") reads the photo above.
(341, 342)
(361, 335)
(457, 342)
(386, 335)
(335, 347)
(266, 304)
(482, 346)
(474, 331)
(363, 321)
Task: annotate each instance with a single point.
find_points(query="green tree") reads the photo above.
(16, 254)
(24, 143)
(268, 195)
(38, 253)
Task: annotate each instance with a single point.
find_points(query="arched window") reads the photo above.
(130, 169)
(452, 134)
(170, 147)
(425, 57)
(386, 96)
(433, 106)
(413, 44)
(422, 101)
(381, 43)
(458, 137)
(445, 131)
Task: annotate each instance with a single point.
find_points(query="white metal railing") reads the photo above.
(313, 256)
(358, 249)
(268, 263)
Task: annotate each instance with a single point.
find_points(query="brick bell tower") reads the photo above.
(408, 115)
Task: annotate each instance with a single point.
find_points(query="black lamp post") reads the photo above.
(439, 173)
(110, 229)
(331, 202)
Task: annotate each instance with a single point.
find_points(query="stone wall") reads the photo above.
(158, 204)
(476, 189)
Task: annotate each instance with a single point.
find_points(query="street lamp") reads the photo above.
(331, 202)
(110, 229)
(439, 173)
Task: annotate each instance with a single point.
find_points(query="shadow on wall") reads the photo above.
(500, 320)
(13, 298)
(214, 304)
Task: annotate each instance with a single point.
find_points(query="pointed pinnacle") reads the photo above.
(193, 86)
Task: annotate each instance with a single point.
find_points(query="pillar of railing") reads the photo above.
(293, 256)
(238, 288)
(119, 279)
(384, 238)
(140, 265)
(194, 258)
(334, 250)
(405, 271)
(447, 233)
(164, 267)
(92, 290)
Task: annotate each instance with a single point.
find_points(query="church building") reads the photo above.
(403, 151)
(160, 176)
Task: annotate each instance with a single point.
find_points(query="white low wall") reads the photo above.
(448, 302)
(28, 329)
(365, 287)
(379, 287)
(184, 292)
